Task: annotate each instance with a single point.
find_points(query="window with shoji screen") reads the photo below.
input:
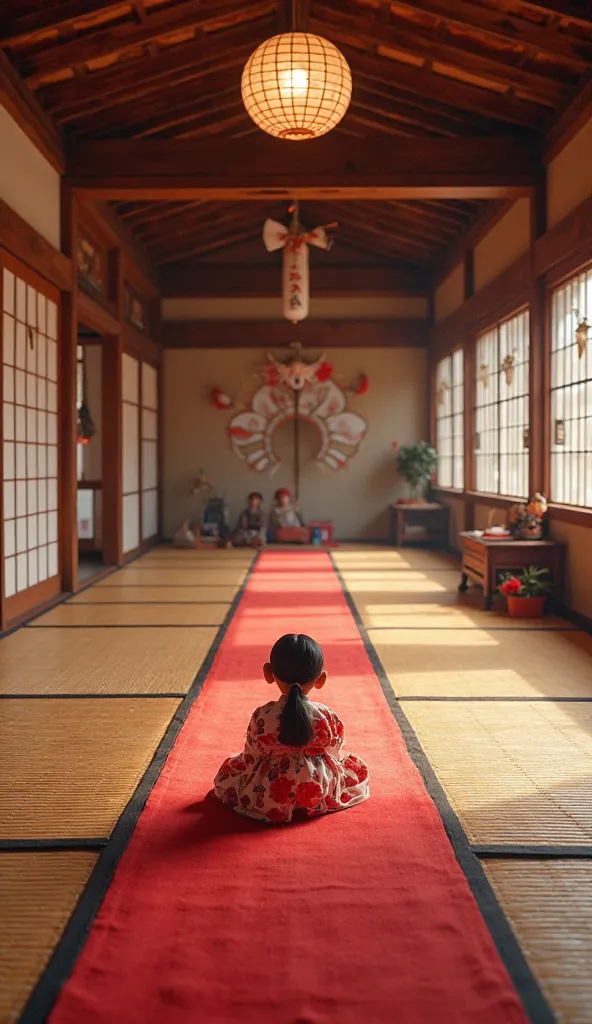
(502, 408)
(449, 399)
(30, 438)
(149, 397)
(571, 393)
(130, 453)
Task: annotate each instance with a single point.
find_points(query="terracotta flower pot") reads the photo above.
(526, 607)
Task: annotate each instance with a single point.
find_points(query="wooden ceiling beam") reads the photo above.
(384, 235)
(172, 237)
(562, 9)
(504, 24)
(125, 38)
(143, 76)
(420, 108)
(422, 82)
(368, 32)
(262, 168)
(145, 213)
(219, 280)
(314, 334)
(25, 109)
(51, 18)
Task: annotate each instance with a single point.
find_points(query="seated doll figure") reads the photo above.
(252, 525)
(286, 524)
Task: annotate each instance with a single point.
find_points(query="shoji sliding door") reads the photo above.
(149, 465)
(140, 453)
(29, 506)
(130, 456)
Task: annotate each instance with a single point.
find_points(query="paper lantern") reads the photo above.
(296, 86)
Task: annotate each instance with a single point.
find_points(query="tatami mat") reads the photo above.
(191, 576)
(69, 767)
(78, 660)
(162, 595)
(461, 614)
(514, 772)
(549, 905)
(407, 585)
(478, 663)
(38, 892)
(385, 558)
(134, 615)
(207, 554)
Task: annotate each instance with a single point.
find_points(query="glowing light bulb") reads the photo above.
(294, 83)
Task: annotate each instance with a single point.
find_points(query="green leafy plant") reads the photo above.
(531, 582)
(417, 463)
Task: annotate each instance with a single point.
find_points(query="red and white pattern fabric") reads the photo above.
(270, 781)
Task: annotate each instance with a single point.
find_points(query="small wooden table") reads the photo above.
(431, 521)
(484, 561)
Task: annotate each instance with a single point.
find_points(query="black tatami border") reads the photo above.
(533, 1000)
(53, 844)
(495, 700)
(73, 939)
(530, 851)
(180, 695)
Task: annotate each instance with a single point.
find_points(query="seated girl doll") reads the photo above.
(252, 525)
(285, 522)
(292, 765)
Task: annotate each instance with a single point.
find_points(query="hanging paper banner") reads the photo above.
(295, 275)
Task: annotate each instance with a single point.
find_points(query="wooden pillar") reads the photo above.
(68, 483)
(537, 319)
(112, 450)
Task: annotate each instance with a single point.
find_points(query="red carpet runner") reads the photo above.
(362, 916)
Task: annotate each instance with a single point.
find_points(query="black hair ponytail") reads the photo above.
(296, 659)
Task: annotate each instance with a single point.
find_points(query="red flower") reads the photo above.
(511, 586)
(353, 764)
(324, 372)
(275, 814)
(281, 790)
(322, 733)
(231, 797)
(308, 794)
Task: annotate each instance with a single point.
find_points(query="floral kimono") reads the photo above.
(271, 782)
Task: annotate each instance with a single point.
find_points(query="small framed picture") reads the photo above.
(559, 431)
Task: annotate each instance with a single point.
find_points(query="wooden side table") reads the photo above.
(420, 524)
(484, 561)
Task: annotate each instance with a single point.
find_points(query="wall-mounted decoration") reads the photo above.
(295, 277)
(582, 333)
(443, 387)
(559, 432)
(296, 390)
(89, 262)
(526, 438)
(508, 368)
(484, 374)
(134, 310)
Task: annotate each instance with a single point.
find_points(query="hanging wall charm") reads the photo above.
(295, 278)
(443, 387)
(484, 374)
(508, 368)
(582, 332)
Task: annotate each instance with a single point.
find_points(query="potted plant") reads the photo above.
(527, 521)
(526, 593)
(416, 463)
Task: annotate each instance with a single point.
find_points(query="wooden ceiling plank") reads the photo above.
(575, 116)
(209, 246)
(385, 236)
(420, 82)
(154, 212)
(459, 121)
(261, 167)
(370, 31)
(367, 100)
(563, 9)
(54, 17)
(501, 23)
(128, 36)
(146, 75)
(211, 222)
